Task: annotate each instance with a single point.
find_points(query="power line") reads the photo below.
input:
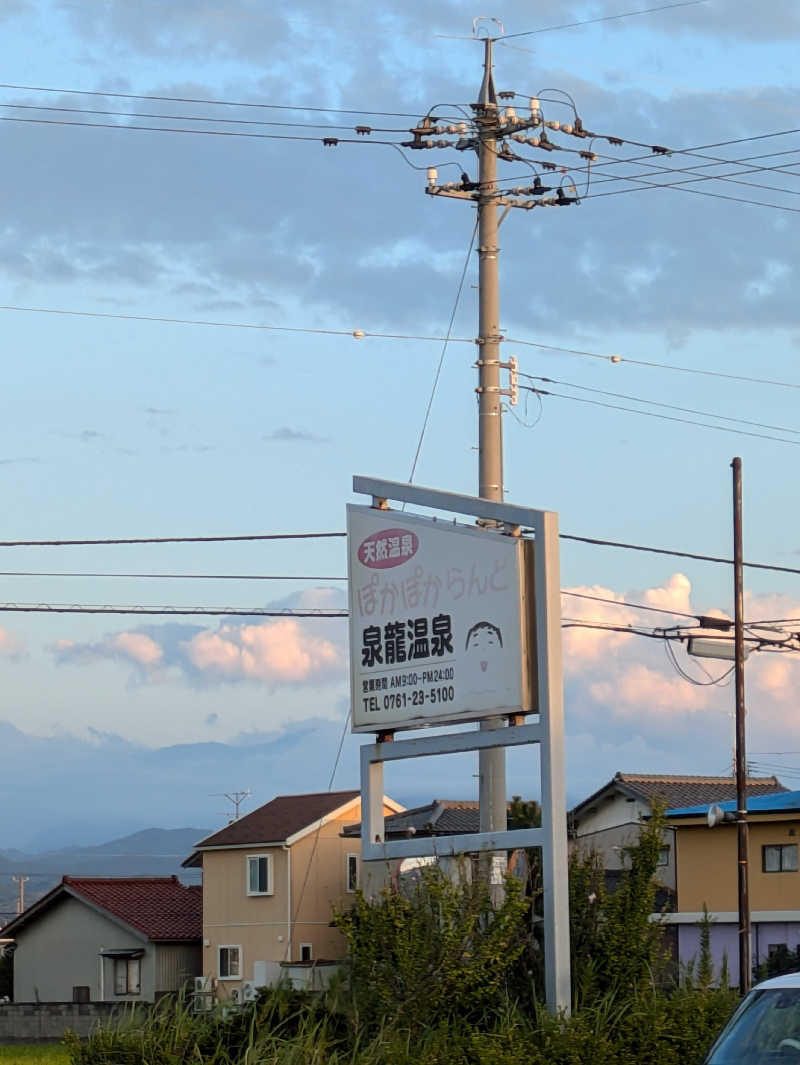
(216, 103)
(177, 576)
(603, 18)
(332, 141)
(630, 606)
(191, 118)
(177, 611)
(663, 417)
(357, 334)
(360, 334)
(173, 540)
(657, 403)
(437, 375)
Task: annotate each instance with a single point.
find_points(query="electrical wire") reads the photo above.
(357, 334)
(176, 611)
(603, 18)
(710, 682)
(437, 375)
(174, 539)
(216, 103)
(177, 576)
(364, 334)
(657, 403)
(193, 118)
(666, 417)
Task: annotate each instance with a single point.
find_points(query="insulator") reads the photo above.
(567, 129)
(433, 174)
(533, 141)
(534, 105)
(463, 127)
(518, 137)
(553, 125)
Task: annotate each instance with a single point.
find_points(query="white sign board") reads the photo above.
(436, 621)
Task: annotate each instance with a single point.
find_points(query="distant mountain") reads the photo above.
(149, 852)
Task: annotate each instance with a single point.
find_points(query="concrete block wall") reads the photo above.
(34, 1022)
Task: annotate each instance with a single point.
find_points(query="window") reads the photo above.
(776, 948)
(127, 976)
(663, 856)
(259, 874)
(779, 858)
(352, 872)
(230, 963)
(306, 953)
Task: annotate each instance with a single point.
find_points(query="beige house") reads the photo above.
(270, 883)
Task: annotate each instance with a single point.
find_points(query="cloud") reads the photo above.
(293, 436)
(278, 651)
(10, 645)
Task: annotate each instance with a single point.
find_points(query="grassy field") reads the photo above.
(33, 1055)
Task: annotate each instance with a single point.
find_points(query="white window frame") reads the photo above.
(348, 859)
(229, 946)
(258, 858)
(310, 948)
(664, 855)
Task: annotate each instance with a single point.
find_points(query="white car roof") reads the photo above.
(787, 980)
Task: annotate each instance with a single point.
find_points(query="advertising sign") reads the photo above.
(436, 621)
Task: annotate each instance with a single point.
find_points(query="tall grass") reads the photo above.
(288, 1028)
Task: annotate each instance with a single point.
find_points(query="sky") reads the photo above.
(119, 427)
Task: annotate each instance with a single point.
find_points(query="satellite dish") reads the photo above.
(715, 814)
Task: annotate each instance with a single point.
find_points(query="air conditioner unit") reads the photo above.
(202, 983)
(249, 991)
(235, 996)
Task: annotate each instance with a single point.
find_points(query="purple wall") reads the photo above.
(724, 940)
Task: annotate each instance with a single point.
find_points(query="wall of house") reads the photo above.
(724, 943)
(611, 843)
(259, 925)
(609, 811)
(61, 950)
(707, 860)
(176, 965)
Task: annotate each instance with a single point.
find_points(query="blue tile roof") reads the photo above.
(780, 802)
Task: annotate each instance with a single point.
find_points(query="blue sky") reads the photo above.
(117, 428)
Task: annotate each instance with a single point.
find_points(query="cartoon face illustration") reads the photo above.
(485, 640)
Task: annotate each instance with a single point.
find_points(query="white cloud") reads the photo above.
(279, 652)
(10, 645)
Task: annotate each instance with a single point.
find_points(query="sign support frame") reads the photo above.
(548, 732)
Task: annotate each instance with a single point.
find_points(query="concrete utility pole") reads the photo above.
(491, 762)
(741, 751)
(21, 880)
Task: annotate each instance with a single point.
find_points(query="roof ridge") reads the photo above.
(675, 778)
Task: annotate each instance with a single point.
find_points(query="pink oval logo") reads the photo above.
(387, 548)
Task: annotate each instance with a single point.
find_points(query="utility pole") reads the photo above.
(491, 762)
(21, 880)
(740, 751)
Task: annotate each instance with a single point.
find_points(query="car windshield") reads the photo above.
(765, 1028)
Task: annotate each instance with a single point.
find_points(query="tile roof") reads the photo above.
(678, 790)
(160, 907)
(781, 802)
(278, 820)
(441, 817)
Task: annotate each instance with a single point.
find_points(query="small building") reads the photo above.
(271, 881)
(609, 821)
(107, 939)
(707, 875)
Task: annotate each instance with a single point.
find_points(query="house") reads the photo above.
(270, 883)
(608, 821)
(107, 939)
(707, 876)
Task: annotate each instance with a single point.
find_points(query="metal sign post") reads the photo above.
(544, 697)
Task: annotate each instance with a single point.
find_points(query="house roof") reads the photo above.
(278, 820)
(676, 790)
(441, 817)
(782, 802)
(157, 907)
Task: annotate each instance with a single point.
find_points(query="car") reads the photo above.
(765, 1027)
